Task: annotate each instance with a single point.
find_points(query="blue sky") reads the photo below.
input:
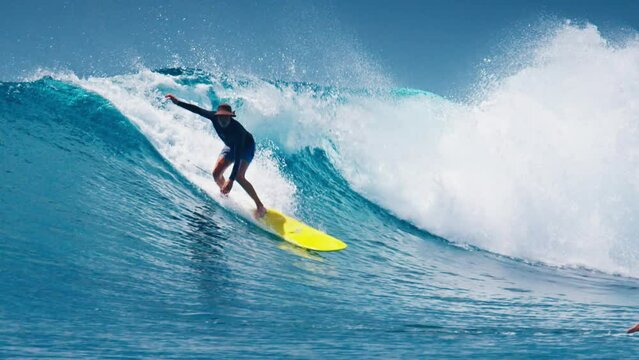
(432, 45)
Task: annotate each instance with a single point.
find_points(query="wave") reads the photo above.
(541, 166)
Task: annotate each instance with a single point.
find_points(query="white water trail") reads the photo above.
(187, 140)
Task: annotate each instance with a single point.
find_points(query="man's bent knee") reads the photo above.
(217, 173)
(241, 179)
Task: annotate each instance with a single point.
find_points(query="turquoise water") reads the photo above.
(113, 243)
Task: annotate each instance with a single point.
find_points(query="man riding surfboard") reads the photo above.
(239, 149)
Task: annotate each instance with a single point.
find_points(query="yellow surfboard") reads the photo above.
(298, 233)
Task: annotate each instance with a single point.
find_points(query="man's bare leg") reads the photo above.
(248, 187)
(218, 172)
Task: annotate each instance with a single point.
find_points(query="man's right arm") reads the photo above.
(192, 108)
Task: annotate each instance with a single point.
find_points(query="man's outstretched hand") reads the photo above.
(172, 98)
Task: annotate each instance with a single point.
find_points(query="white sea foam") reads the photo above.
(545, 167)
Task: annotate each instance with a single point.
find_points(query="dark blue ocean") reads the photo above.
(500, 226)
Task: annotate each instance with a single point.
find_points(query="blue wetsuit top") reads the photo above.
(235, 136)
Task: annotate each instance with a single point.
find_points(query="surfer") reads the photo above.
(239, 149)
(633, 329)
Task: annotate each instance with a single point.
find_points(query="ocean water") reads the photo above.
(499, 226)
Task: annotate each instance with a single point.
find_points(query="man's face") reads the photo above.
(224, 120)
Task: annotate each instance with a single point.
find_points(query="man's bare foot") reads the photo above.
(260, 212)
(633, 329)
